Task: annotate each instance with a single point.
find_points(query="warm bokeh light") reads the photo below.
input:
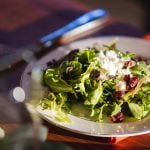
(2, 133)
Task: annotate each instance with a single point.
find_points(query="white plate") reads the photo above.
(82, 126)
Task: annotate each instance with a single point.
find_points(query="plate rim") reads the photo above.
(86, 133)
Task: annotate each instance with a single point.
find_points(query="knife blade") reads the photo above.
(80, 27)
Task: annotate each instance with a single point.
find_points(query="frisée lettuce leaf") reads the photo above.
(86, 79)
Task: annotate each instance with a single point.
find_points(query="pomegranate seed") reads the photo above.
(133, 82)
(118, 94)
(118, 117)
(129, 64)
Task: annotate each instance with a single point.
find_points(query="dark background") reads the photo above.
(23, 22)
(134, 12)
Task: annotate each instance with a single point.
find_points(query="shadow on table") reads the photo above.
(68, 136)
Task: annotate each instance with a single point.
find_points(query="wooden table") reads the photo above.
(23, 22)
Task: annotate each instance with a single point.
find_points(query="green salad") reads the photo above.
(104, 80)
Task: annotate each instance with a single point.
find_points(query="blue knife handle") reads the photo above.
(86, 18)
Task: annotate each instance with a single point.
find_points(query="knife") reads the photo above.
(80, 27)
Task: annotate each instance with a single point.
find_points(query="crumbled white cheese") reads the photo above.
(112, 55)
(122, 72)
(101, 55)
(110, 67)
(112, 63)
(120, 86)
(109, 62)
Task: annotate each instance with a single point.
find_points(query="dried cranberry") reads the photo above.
(118, 94)
(129, 64)
(133, 82)
(127, 78)
(118, 117)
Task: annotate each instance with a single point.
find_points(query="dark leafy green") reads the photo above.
(83, 80)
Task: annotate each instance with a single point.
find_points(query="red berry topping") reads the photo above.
(133, 82)
(129, 64)
(118, 94)
(127, 78)
(118, 117)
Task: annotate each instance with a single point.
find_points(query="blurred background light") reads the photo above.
(18, 94)
(2, 133)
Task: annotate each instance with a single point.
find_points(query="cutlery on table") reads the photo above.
(84, 25)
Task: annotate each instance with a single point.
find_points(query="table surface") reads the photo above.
(18, 28)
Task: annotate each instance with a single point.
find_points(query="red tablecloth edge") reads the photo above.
(115, 140)
(147, 36)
